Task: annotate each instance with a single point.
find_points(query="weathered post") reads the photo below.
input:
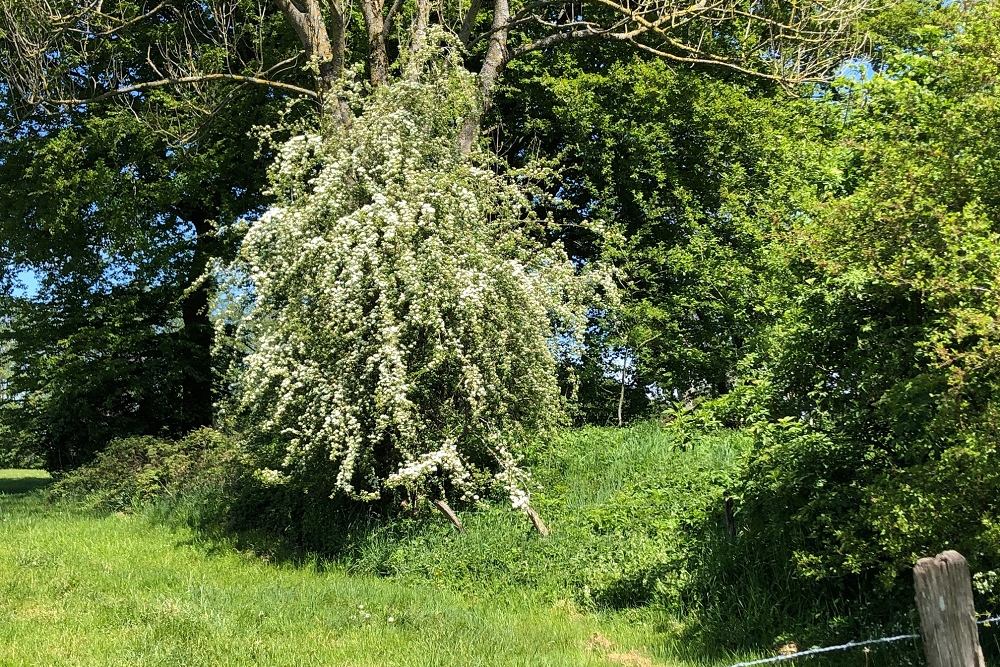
(947, 616)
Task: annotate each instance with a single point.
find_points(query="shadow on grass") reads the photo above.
(14, 482)
(281, 526)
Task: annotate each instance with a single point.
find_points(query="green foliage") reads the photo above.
(879, 380)
(112, 215)
(132, 473)
(691, 172)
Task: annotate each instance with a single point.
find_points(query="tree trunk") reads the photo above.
(621, 393)
(421, 20)
(198, 333)
(378, 61)
(493, 64)
(306, 17)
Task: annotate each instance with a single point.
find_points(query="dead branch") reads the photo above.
(445, 509)
(536, 521)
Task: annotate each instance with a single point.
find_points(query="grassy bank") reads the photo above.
(89, 588)
(637, 518)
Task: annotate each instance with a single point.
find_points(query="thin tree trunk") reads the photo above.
(339, 44)
(421, 20)
(621, 393)
(378, 61)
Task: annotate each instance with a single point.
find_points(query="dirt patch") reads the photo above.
(788, 648)
(598, 643)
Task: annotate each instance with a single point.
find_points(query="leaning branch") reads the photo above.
(445, 509)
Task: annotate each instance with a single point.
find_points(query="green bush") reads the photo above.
(828, 529)
(134, 472)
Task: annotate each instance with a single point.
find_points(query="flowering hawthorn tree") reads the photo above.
(406, 312)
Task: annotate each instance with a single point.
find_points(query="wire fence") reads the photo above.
(842, 647)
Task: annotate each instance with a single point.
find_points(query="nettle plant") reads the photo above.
(406, 313)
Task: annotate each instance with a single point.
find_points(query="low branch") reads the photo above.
(469, 21)
(390, 16)
(803, 46)
(188, 80)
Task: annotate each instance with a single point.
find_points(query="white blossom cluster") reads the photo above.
(404, 306)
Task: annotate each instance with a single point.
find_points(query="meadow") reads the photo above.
(637, 528)
(82, 587)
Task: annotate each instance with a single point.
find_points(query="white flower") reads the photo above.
(400, 310)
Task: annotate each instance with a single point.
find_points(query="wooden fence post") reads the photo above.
(947, 616)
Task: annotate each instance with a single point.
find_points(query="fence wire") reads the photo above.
(842, 647)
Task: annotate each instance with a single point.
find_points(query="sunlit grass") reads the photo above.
(80, 589)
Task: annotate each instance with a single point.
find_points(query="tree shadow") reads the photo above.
(16, 482)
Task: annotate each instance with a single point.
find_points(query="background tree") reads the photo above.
(117, 215)
(877, 384)
(691, 169)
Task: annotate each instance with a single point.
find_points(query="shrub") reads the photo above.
(404, 310)
(133, 472)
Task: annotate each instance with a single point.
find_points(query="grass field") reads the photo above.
(635, 518)
(628, 508)
(116, 590)
(84, 589)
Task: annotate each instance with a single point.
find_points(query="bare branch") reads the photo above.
(803, 44)
(57, 52)
(186, 80)
(124, 25)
